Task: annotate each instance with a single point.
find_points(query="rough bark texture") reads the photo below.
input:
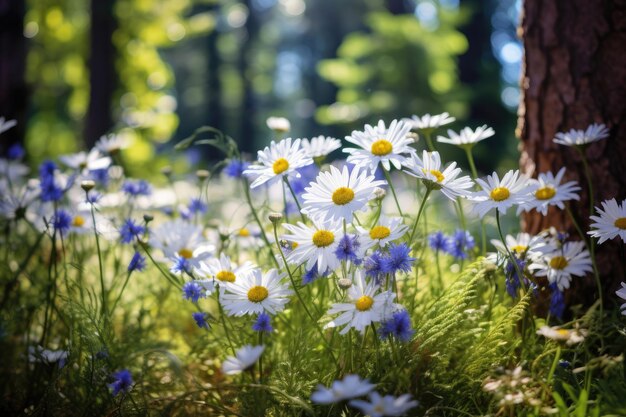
(575, 74)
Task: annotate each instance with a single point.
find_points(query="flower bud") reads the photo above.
(275, 217)
(379, 193)
(344, 283)
(202, 174)
(87, 185)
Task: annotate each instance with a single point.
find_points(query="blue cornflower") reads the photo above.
(375, 266)
(61, 221)
(50, 191)
(46, 170)
(181, 264)
(512, 281)
(93, 197)
(101, 176)
(235, 168)
(130, 230)
(196, 205)
(307, 175)
(398, 326)
(313, 274)
(192, 291)
(122, 381)
(399, 259)
(459, 244)
(437, 241)
(136, 188)
(348, 248)
(262, 323)
(201, 319)
(137, 263)
(564, 364)
(16, 152)
(557, 302)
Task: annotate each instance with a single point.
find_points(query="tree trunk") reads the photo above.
(574, 74)
(13, 90)
(102, 75)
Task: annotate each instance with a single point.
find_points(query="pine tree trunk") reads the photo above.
(574, 74)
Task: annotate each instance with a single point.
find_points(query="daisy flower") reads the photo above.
(577, 137)
(277, 161)
(223, 270)
(278, 124)
(338, 194)
(379, 144)
(559, 265)
(428, 122)
(550, 192)
(181, 242)
(379, 406)
(255, 293)
(366, 305)
(501, 194)
(467, 137)
(314, 244)
(111, 144)
(384, 231)
(320, 146)
(351, 386)
(244, 359)
(621, 293)
(611, 223)
(247, 237)
(523, 246)
(6, 124)
(570, 337)
(85, 162)
(428, 169)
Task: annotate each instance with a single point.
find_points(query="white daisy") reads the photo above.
(13, 171)
(570, 337)
(111, 144)
(278, 124)
(559, 265)
(380, 144)
(255, 292)
(501, 194)
(621, 293)
(277, 161)
(384, 231)
(550, 192)
(223, 271)
(85, 162)
(366, 305)
(428, 169)
(14, 202)
(247, 237)
(611, 223)
(179, 239)
(351, 386)
(314, 244)
(338, 194)
(244, 359)
(523, 246)
(320, 146)
(379, 406)
(428, 122)
(577, 137)
(6, 124)
(467, 137)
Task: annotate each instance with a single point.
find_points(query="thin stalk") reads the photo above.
(100, 266)
(483, 231)
(261, 359)
(121, 292)
(429, 140)
(295, 198)
(588, 177)
(223, 320)
(419, 214)
(508, 252)
(246, 190)
(393, 190)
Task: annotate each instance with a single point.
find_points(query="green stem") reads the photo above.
(588, 177)
(293, 194)
(100, 266)
(223, 320)
(246, 190)
(121, 292)
(470, 159)
(508, 252)
(419, 213)
(429, 141)
(483, 231)
(393, 190)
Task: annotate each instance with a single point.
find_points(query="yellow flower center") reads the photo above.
(257, 294)
(323, 238)
(342, 196)
(545, 193)
(364, 303)
(500, 193)
(280, 165)
(225, 276)
(436, 173)
(620, 223)
(558, 262)
(382, 147)
(562, 332)
(519, 248)
(294, 245)
(78, 221)
(243, 232)
(379, 232)
(186, 253)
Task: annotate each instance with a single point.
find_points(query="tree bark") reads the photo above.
(574, 74)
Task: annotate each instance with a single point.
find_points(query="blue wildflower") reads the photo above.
(235, 168)
(101, 176)
(181, 264)
(375, 266)
(398, 326)
(192, 291)
(50, 191)
(399, 259)
(93, 197)
(201, 319)
(564, 364)
(196, 206)
(137, 263)
(16, 152)
(347, 249)
(61, 221)
(307, 174)
(512, 281)
(313, 274)
(136, 188)
(437, 241)
(459, 244)
(130, 230)
(557, 302)
(263, 323)
(122, 381)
